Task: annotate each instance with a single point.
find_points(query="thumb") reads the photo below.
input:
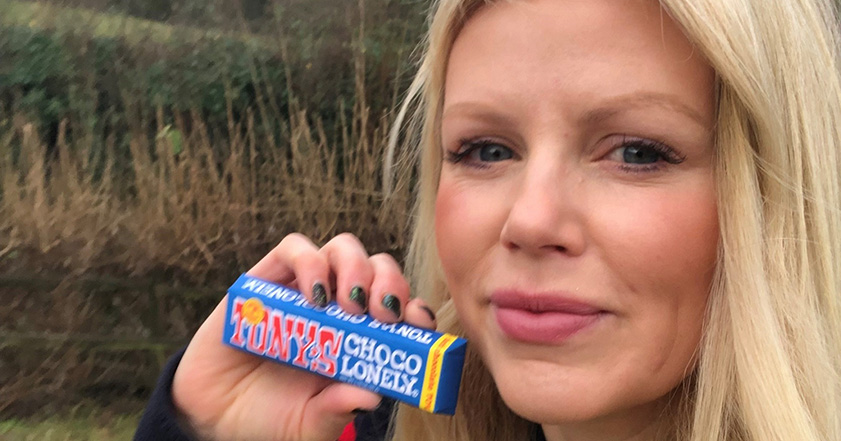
(333, 408)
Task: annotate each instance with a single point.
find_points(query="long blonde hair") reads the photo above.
(770, 364)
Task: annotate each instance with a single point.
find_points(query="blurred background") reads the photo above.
(152, 150)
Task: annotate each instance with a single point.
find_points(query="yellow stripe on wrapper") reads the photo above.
(432, 376)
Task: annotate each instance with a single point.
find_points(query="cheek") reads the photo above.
(664, 252)
(447, 212)
(464, 229)
(664, 240)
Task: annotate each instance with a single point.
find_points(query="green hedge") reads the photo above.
(103, 84)
(93, 82)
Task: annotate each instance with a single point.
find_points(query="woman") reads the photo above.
(634, 208)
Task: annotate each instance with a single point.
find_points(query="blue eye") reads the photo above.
(494, 153)
(640, 154)
(643, 152)
(480, 151)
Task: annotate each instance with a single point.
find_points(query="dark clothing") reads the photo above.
(160, 423)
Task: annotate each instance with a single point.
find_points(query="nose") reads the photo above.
(546, 215)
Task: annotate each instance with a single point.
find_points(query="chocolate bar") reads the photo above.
(414, 365)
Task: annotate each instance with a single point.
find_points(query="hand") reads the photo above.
(226, 394)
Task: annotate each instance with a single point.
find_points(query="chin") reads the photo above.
(550, 404)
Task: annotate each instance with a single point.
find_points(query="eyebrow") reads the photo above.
(619, 104)
(613, 107)
(476, 110)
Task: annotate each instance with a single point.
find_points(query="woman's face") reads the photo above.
(576, 212)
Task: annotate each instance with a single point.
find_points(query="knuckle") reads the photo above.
(349, 238)
(386, 259)
(344, 243)
(292, 238)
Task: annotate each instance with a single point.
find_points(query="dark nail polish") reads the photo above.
(392, 303)
(319, 294)
(429, 312)
(358, 296)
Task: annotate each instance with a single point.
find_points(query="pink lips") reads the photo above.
(542, 318)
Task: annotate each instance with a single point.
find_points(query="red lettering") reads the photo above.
(257, 344)
(278, 340)
(434, 368)
(299, 334)
(236, 320)
(307, 342)
(289, 334)
(329, 342)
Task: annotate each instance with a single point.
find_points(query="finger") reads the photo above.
(389, 290)
(333, 408)
(420, 315)
(297, 260)
(354, 273)
(275, 266)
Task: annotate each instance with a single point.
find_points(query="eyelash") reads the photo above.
(455, 157)
(666, 153)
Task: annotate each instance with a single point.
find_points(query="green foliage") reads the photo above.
(36, 71)
(110, 74)
(93, 81)
(173, 136)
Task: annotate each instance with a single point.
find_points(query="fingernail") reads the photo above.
(392, 303)
(319, 294)
(429, 312)
(358, 296)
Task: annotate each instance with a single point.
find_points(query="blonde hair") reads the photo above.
(770, 363)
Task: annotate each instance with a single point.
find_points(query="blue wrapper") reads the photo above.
(414, 365)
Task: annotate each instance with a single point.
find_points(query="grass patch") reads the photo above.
(96, 426)
(110, 25)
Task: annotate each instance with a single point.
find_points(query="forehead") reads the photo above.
(553, 52)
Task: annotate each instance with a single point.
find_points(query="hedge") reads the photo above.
(103, 82)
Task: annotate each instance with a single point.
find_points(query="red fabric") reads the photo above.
(349, 434)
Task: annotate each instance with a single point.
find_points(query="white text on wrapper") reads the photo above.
(367, 360)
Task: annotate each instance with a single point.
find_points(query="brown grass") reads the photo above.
(186, 206)
(190, 206)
